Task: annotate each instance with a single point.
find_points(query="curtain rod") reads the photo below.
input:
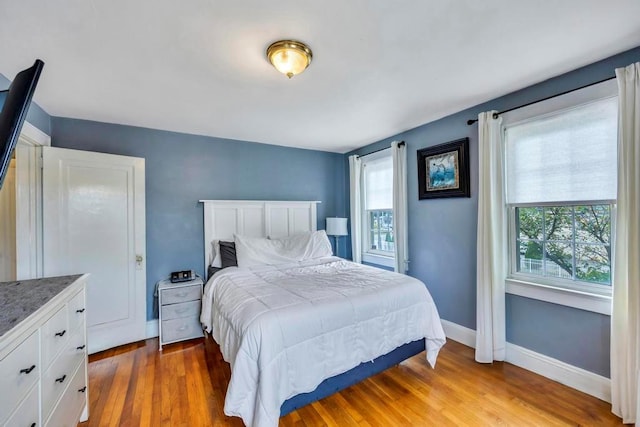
(495, 115)
(400, 144)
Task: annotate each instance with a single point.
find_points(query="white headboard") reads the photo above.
(255, 218)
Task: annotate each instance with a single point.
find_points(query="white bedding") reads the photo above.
(286, 328)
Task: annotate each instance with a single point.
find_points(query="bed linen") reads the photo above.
(285, 328)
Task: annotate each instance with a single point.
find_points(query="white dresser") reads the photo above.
(43, 353)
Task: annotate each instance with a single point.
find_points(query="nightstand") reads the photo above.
(179, 309)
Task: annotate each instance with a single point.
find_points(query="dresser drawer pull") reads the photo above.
(182, 294)
(27, 370)
(60, 334)
(183, 328)
(81, 310)
(80, 347)
(61, 379)
(33, 425)
(82, 390)
(182, 310)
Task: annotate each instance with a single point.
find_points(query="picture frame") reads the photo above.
(443, 170)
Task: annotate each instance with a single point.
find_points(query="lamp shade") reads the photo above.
(337, 226)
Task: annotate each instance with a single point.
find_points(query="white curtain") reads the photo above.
(355, 176)
(625, 317)
(400, 236)
(492, 242)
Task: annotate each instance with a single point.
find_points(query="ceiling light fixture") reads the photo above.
(290, 57)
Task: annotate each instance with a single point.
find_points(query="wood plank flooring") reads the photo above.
(185, 384)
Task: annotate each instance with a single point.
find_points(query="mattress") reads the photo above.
(286, 328)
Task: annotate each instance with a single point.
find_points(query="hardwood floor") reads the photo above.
(185, 384)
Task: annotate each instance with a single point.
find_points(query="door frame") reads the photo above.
(29, 247)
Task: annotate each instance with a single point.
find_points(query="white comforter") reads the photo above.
(286, 328)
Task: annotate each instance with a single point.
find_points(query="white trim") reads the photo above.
(385, 261)
(563, 296)
(459, 333)
(554, 369)
(35, 135)
(152, 328)
(569, 375)
(29, 201)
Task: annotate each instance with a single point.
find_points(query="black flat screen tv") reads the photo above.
(14, 112)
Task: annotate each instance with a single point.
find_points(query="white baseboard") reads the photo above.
(459, 333)
(554, 369)
(557, 370)
(152, 328)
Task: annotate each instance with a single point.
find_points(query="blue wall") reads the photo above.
(442, 236)
(182, 169)
(36, 115)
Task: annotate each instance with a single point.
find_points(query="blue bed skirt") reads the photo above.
(352, 376)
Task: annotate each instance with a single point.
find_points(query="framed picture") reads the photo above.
(443, 170)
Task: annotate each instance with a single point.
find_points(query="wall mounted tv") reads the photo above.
(14, 111)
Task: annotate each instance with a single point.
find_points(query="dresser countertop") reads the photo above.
(19, 299)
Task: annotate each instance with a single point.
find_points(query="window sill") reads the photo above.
(571, 298)
(386, 261)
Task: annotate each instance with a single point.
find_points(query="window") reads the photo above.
(378, 242)
(560, 193)
(567, 242)
(380, 226)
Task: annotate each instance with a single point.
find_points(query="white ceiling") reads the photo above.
(379, 67)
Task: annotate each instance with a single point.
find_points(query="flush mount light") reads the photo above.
(290, 57)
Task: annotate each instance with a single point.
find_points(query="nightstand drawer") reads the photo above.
(185, 309)
(180, 329)
(186, 293)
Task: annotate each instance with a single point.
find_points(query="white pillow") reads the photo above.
(252, 251)
(217, 259)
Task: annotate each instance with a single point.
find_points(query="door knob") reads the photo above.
(139, 259)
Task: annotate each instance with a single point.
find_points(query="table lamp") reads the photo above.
(337, 227)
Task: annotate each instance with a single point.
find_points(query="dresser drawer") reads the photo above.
(180, 329)
(27, 413)
(186, 293)
(19, 371)
(68, 410)
(56, 379)
(55, 334)
(185, 309)
(76, 312)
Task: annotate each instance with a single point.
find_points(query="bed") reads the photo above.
(295, 328)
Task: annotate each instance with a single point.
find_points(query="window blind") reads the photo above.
(565, 156)
(378, 182)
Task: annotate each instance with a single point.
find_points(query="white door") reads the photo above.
(94, 222)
